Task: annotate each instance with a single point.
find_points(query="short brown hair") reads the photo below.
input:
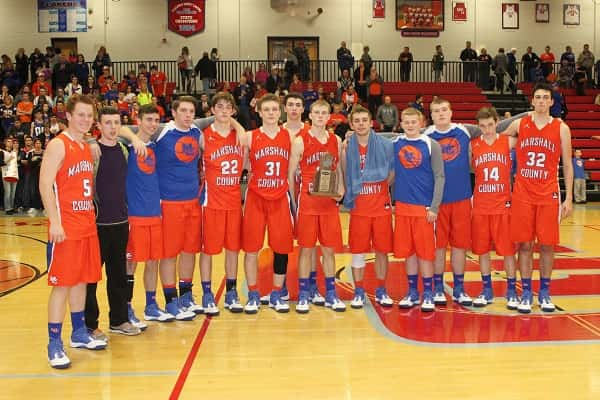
(358, 109)
(321, 103)
(485, 113)
(266, 98)
(293, 95)
(108, 111)
(147, 109)
(225, 96)
(440, 100)
(183, 99)
(78, 98)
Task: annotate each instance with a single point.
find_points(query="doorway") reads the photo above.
(67, 46)
(279, 49)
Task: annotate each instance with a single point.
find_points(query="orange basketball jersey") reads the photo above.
(491, 164)
(74, 189)
(313, 150)
(223, 164)
(374, 197)
(538, 154)
(269, 161)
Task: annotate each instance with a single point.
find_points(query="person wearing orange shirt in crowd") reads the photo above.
(158, 82)
(25, 110)
(547, 59)
(161, 110)
(106, 85)
(41, 82)
(105, 74)
(349, 99)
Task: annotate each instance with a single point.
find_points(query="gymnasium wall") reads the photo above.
(135, 29)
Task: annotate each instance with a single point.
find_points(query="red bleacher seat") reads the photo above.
(583, 143)
(595, 176)
(591, 153)
(592, 164)
(584, 133)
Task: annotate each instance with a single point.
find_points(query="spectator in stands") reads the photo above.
(8, 111)
(559, 106)
(586, 60)
(158, 83)
(39, 83)
(296, 84)
(338, 121)
(303, 61)
(73, 87)
(483, 69)
(144, 96)
(35, 61)
(107, 85)
(344, 57)
(512, 70)
(5, 93)
(274, 80)
(366, 58)
(249, 75)
(31, 196)
(43, 97)
(469, 59)
(343, 83)
(243, 94)
(310, 95)
(101, 80)
(90, 85)
(374, 91)
(22, 65)
(349, 99)
(82, 71)
(579, 79)
(290, 67)
(262, 74)
(387, 115)
(62, 72)
(361, 74)
(530, 61)
(185, 66)
(547, 59)
(500, 67)
(579, 191)
(565, 74)
(161, 110)
(437, 64)
(25, 111)
(143, 72)
(206, 69)
(10, 174)
(418, 104)
(568, 56)
(102, 60)
(406, 60)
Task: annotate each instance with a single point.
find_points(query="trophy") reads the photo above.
(325, 182)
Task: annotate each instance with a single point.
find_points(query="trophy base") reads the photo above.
(324, 194)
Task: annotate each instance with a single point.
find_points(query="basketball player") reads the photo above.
(418, 189)
(490, 220)
(317, 217)
(145, 229)
(536, 210)
(223, 159)
(367, 163)
(267, 202)
(67, 190)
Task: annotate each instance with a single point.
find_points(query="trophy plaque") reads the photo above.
(325, 182)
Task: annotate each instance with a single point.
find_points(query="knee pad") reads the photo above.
(280, 262)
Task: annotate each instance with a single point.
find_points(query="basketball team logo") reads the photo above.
(148, 164)
(450, 148)
(410, 157)
(186, 149)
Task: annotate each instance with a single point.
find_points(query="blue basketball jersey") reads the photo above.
(414, 180)
(143, 195)
(177, 155)
(455, 153)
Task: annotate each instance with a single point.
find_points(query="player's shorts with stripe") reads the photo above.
(145, 239)
(74, 261)
(412, 233)
(535, 221)
(453, 225)
(260, 214)
(326, 228)
(370, 233)
(181, 227)
(222, 229)
(488, 229)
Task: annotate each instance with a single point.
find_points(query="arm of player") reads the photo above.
(566, 151)
(343, 164)
(138, 146)
(53, 158)
(439, 179)
(297, 150)
(339, 172)
(202, 123)
(475, 132)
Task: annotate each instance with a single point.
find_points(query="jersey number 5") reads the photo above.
(87, 188)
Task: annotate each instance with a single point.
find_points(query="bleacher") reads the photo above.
(583, 118)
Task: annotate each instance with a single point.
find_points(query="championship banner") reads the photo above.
(459, 11)
(186, 17)
(378, 8)
(62, 16)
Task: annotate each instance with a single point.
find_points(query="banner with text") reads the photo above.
(186, 17)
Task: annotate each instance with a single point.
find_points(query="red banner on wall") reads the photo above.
(459, 11)
(186, 17)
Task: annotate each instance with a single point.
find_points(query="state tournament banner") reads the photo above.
(186, 17)
(62, 15)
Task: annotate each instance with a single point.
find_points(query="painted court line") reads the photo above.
(187, 366)
(88, 375)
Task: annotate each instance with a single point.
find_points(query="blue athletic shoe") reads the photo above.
(410, 300)
(208, 304)
(232, 302)
(276, 303)
(56, 355)
(427, 304)
(459, 295)
(383, 298)
(253, 304)
(545, 302)
(524, 306)
(303, 307)
(333, 301)
(187, 302)
(133, 320)
(359, 298)
(512, 300)
(179, 312)
(439, 297)
(153, 313)
(284, 294)
(81, 339)
(486, 297)
(315, 297)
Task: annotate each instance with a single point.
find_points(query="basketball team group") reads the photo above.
(166, 192)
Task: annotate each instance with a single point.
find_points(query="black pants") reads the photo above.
(374, 103)
(113, 246)
(469, 69)
(404, 72)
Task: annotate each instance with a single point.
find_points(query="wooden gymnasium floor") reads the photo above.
(456, 353)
